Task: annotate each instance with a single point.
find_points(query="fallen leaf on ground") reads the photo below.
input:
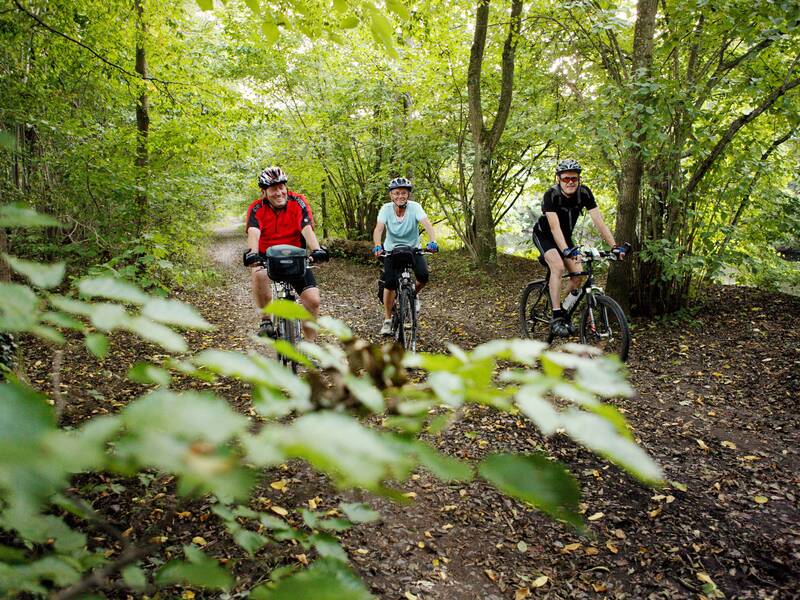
(522, 593)
(571, 547)
(279, 485)
(279, 510)
(761, 499)
(611, 547)
(199, 541)
(727, 444)
(702, 444)
(597, 516)
(540, 581)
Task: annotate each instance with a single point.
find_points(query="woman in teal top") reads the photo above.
(401, 219)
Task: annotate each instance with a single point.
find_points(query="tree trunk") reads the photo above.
(485, 141)
(620, 277)
(142, 119)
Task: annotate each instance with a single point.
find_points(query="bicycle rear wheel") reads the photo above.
(406, 321)
(535, 310)
(604, 326)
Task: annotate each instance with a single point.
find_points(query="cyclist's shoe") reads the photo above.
(386, 329)
(267, 329)
(570, 326)
(416, 304)
(560, 328)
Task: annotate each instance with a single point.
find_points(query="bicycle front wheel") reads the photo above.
(604, 326)
(406, 332)
(289, 330)
(534, 311)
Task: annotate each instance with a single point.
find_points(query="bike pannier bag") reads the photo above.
(285, 262)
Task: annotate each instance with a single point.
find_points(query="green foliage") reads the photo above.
(213, 451)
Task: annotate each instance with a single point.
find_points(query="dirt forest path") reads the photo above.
(716, 406)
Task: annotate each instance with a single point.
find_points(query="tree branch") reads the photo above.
(734, 128)
(507, 78)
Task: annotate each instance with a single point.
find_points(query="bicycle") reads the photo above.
(284, 263)
(602, 324)
(404, 314)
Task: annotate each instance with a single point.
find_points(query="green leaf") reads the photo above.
(340, 6)
(114, 289)
(70, 305)
(43, 276)
(145, 373)
(18, 310)
(156, 333)
(336, 327)
(24, 414)
(325, 579)
(174, 312)
(349, 452)
(270, 31)
(250, 541)
(107, 316)
(444, 467)
(545, 484)
(382, 30)
(253, 5)
(349, 22)
(232, 364)
(366, 393)
(188, 415)
(286, 349)
(598, 434)
(537, 409)
(201, 572)
(97, 344)
(62, 320)
(205, 4)
(328, 546)
(48, 334)
(398, 8)
(12, 215)
(287, 309)
(359, 513)
(449, 388)
(134, 578)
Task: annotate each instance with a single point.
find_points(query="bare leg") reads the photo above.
(262, 290)
(310, 300)
(388, 302)
(556, 264)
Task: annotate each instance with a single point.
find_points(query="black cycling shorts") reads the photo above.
(301, 284)
(393, 265)
(544, 241)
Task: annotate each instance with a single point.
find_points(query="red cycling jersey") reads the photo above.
(280, 226)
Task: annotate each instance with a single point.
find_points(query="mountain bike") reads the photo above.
(404, 314)
(602, 322)
(284, 263)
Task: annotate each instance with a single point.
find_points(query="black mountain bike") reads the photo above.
(602, 321)
(283, 263)
(404, 314)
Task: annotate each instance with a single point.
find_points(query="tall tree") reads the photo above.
(485, 139)
(142, 116)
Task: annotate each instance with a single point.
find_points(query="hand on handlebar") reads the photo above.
(319, 255)
(573, 252)
(432, 247)
(250, 258)
(377, 251)
(620, 251)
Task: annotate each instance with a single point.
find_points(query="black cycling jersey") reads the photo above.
(567, 209)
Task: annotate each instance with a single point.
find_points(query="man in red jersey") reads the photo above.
(280, 216)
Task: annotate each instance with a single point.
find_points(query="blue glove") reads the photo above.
(432, 246)
(573, 252)
(620, 251)
(377, 250)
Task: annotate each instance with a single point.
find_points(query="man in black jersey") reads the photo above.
(561, 206)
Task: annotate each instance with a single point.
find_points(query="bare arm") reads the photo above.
(377, 233)
(426, 223)
(253, 235)
(310, 237)
(605, 233)
(555, 229)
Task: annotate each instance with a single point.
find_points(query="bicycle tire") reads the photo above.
(605, 326)
(287, 332)
(535, 310)
(409, 321)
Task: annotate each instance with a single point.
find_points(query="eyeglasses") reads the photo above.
(569, 179)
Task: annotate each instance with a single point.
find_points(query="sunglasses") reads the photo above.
(569, 179)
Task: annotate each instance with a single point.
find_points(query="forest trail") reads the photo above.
(716, 407)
